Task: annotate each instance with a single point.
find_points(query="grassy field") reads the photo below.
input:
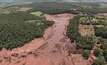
(16, 29)
(37, 13)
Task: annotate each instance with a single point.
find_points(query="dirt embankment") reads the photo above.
(53, 49)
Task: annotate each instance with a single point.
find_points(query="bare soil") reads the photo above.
(86, 30)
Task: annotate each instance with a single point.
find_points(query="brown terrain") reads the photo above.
(54, 48)
(86, 30)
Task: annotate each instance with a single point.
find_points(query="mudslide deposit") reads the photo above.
(55, 48)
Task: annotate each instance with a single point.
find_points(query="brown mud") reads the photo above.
(54, 48)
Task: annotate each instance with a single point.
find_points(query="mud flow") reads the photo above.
(54, 48)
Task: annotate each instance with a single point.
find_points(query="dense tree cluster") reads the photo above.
(16, 29)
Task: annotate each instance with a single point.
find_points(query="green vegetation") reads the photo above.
(101, 51)
(82, 42)
(86, 53)
(99, 61)
(16, 29)
(37, 13)
(86, 43)
(52, 7)
(75, 7)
